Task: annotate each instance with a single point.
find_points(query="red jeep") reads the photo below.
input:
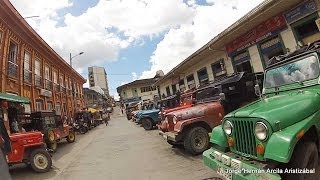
(190, 126)
(186, 101)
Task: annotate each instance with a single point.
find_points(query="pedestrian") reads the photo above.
(121, 110)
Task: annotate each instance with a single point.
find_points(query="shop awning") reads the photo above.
(14, 98)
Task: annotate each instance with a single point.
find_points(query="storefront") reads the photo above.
(14, 110)
(266, 36)
(190, 81)
(303, 20)
(182, 87)
(203, 76)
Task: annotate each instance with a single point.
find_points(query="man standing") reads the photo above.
(5, 148)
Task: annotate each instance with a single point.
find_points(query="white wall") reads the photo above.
(288, 39)
(255, 59)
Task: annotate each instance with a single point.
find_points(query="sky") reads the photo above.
(132, 39)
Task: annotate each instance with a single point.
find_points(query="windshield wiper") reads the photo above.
(299, 82)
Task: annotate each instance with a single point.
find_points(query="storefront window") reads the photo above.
(190, 81)
(39, 106)
(174, 88)
(218, 68)
(271, 48)
(242, 62)
(168, 91)
(182, 87)
(203, 76)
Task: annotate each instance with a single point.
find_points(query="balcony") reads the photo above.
(48, 85)
(27, 76)
(56, 87)
(63, 89)
(12, 69)
(37, 80)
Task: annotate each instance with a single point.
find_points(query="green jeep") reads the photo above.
(278, 136)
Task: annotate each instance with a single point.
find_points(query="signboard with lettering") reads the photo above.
(264, 30)
(301, 11)
(135, 99)
(45, 93)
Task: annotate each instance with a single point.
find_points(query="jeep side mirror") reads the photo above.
(222, 96)
(257, 90)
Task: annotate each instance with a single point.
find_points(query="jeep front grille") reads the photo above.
(243, 132)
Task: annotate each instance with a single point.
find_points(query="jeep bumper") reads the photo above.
(232, 168)
(170, 136)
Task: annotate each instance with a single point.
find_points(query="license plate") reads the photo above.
(165, 136)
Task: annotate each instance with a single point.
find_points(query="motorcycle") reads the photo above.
(82, 127)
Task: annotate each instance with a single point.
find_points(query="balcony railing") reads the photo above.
(12, 69)
(38, 80)
(27, 76)
(48, 85)
(56, 87)
(63, 89)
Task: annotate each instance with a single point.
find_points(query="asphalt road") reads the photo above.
(120, 151)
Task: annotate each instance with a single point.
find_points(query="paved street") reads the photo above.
(120, 151)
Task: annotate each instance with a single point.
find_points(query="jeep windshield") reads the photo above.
(304, 69)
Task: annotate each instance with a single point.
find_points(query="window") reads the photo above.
(174, 89)
(134, 92)
(39, 105)
(47, 77)
(67, 83)
(55, 77)
(49, 106)
(168, 91)
(242, 62)
(190, 81)
(181, 85)
(271, 48)
(12, 61)
(203, 76)
(26, 67)
(62, 80)
(218, 68)
(307, 29)
(37, 68)
(58, 109)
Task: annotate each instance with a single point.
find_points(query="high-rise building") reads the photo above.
(98, 77)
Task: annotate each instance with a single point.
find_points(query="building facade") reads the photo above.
(142, 90)
(32, 70)
(275, 27)
(94, 99)
(98, 77)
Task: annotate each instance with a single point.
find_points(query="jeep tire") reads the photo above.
(40, 160)
(196, 140)
(71, 136)
(305, 155)
(147, 123)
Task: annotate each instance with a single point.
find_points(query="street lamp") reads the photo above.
(30, 17)
(71, 57)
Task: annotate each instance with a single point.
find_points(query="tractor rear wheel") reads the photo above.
(40, 160)
(50, 136)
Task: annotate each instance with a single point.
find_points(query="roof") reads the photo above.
(253, 18)
(149, 82)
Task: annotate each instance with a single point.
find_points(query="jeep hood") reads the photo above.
(149, 111)
(287, 108)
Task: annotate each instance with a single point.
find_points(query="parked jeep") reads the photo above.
(278, 132)
(130, 109)
(190, 126)
(187, 99)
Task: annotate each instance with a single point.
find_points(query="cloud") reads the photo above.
(134, 76)
(207, 22)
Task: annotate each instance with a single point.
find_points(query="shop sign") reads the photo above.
(264, 30)
(45, 93)
(130, 100)
(301, 11)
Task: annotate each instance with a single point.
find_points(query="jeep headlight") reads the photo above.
(174, 120)
(261, 131)
(227, 127)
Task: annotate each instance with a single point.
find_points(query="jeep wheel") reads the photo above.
(71, 137)
(50, 136)
(304, 156)
(147, 124)
(53, 146)
(196, 140)
(40, 160)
